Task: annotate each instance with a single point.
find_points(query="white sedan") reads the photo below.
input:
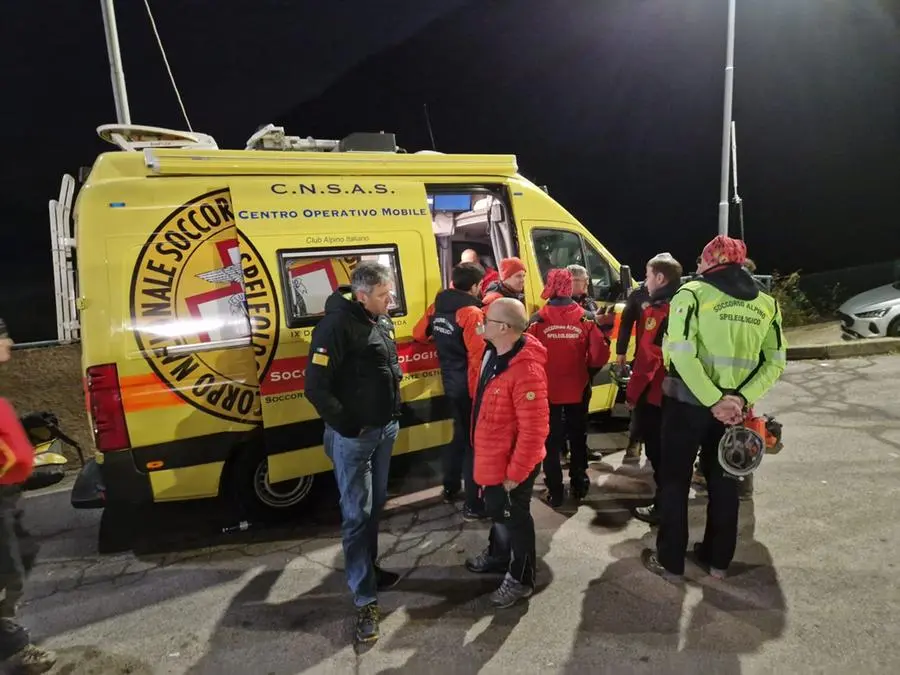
(872, 314)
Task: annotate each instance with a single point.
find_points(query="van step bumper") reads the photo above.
(89, 491)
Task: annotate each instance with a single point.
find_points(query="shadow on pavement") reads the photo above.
(703, 626)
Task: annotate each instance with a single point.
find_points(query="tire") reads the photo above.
(260, 500)
(894, 328)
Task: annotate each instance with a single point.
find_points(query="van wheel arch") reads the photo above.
(245, 483)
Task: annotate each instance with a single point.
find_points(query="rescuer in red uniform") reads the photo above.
(574, 345)
(644, 392)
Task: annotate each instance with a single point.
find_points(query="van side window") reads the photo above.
(557, 248)
(308, 277)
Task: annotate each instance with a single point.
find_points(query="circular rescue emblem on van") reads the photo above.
(204, 311)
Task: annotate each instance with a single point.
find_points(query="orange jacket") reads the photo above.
(16, 451)
(511, 413)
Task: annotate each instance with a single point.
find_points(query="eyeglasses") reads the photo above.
(502, 323)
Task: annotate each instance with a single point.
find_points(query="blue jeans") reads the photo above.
(361, 467)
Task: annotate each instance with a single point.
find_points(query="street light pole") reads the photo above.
(117, 74)
(726, 122)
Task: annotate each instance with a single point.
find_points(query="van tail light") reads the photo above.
(105, 403)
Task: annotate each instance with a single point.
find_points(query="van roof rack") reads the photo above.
(134, 137)
(271, 137)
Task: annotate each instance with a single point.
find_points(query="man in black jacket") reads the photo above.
(353, 380)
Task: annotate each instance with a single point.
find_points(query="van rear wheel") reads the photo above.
(261, 499)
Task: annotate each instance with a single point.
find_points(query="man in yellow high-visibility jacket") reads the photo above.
(723, 350)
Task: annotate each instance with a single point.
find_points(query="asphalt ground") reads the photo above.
(815, 587)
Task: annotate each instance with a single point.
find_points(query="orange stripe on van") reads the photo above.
(146, 392)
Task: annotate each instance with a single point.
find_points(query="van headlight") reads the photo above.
(873, 314)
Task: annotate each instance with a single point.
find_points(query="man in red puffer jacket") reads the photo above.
(574, 346)
(511, 421)
(644, 393)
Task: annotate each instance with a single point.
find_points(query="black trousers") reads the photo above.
(684, 428)
(568, 422)
(512, 535)
(18, 550)
(649, 418)
(458, 457)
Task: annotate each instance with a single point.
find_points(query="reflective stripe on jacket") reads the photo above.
(724, 336)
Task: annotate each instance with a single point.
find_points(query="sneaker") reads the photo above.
(30, 660)
(485, 563)
(449, 496)
(384, 579)
(650, 561)
(647, 514)
(471, 515)
(632, 453)
(554, 498)
(510, 592)
(367, 618)
(700, 562)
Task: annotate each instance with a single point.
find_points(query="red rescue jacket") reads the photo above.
(16, 451)
(511, 413)
(647, 371)
(574, 344)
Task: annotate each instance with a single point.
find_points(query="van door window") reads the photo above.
(474, 218)
(557, 248)
(604, 282)
(310, 276)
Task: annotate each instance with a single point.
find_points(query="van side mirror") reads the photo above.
(625, 280)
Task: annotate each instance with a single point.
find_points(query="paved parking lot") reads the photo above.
(815, 587)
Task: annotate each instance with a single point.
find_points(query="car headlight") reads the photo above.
(873, 314)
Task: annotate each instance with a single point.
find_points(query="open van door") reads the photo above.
(300, 239)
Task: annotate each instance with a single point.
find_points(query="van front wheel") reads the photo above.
(263, 500)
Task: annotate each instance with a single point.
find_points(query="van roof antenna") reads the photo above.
(428, 124)
(168, 67)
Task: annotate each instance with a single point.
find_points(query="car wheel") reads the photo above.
(259, 498)
(894, 328)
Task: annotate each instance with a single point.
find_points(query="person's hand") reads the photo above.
(620, 359)
(510, 485)
(729, 410)
(604, 321)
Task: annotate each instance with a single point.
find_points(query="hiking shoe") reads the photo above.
(367, 618)
(554, 498)
(632, 453)
(471, 515)
(651, 562)
(647, 514)
(700, 561)
(385, 579)
(485, 563)
(510, 592)
(579, 488)
(448, 496)
(30, 661)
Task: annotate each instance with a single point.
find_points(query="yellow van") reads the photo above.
(201, 274)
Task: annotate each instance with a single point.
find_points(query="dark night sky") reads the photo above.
(615, 104)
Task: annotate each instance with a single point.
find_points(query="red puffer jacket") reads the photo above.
(648, 370)
(511, 413)
(16, 451)
(573, 343)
